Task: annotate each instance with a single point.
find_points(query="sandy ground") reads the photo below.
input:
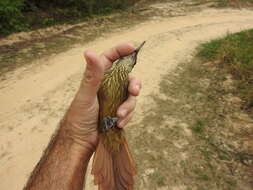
(34, 98)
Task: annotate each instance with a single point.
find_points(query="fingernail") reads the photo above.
(122, 113)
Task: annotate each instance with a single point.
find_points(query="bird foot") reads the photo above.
(109, 122)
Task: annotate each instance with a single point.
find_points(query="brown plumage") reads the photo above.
(113, 166)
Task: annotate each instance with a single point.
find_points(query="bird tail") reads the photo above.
(113, 170)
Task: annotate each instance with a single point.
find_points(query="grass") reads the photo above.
(192, 139)
(198, 127)
(235, 55)
(200, 175)
(194, 134)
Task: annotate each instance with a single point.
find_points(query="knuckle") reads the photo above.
(90, 77)
(130, 107)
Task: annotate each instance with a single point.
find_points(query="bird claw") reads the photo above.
(109, 122)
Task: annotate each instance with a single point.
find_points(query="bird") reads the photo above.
(113, 165)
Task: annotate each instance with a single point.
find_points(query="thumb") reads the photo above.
(93, 76)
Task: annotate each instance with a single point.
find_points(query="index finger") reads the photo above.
(114, 53)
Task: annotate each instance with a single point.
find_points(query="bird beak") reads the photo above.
(136, 51)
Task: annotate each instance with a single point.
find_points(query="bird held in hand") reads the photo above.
(113, 167)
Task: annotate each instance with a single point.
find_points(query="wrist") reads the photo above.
(79, 145)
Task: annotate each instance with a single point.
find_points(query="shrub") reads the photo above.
(18, 15)
(11, 18)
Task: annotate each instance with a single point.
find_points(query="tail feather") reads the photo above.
(123, 169)
(113, 170)
(102, 167)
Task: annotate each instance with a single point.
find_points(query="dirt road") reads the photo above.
(34, 97)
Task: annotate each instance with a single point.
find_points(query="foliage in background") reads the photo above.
(11, 17)
(18, 15)
(235, 54)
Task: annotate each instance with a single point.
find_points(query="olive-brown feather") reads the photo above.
(113, 166)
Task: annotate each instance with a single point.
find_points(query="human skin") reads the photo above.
(64, 162)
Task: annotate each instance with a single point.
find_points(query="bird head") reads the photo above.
(129, 61)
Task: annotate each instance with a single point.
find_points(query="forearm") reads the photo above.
(63, 165)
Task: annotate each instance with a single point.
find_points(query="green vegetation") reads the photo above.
(200, 175)
(235, 54)
(11, 17)
(198, 127)
(20, 15)
(194, 133)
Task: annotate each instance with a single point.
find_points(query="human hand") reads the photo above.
(82, 116)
